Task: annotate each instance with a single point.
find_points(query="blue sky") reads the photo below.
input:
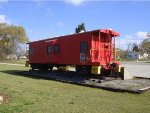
(43, 19)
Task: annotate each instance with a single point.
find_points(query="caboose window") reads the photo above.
(31, 51)
(49, 49)
(56, 49)
(83, 47)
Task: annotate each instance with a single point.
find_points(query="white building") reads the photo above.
(136, 55)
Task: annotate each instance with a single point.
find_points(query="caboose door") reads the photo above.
(83, 52)
(95, 48)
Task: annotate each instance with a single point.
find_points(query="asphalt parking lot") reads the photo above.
(138, 69)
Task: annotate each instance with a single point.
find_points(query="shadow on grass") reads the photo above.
(60, 76)
(63, 76)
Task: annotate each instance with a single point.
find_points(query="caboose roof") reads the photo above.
(108, 31)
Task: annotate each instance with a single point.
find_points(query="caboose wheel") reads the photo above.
(78, 69)
(51, 68)
(43, 67)
(83, 70)
(105, 72)
(33, 66)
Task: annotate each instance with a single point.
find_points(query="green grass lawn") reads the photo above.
(33, 95)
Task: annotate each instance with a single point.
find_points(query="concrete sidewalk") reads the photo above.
(13, 64)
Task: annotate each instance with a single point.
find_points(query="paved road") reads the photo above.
(140, 69)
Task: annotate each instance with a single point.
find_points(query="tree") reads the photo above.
(135, 47)
(10, 37)
(122, 54)
(145, 45)
(129, 47)
(148, 35)
(81, 27)
(21, 50)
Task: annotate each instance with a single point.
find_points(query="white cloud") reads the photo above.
(134, 38)
(3, 19)
(128, 37)
(141, 34)
(75, 2)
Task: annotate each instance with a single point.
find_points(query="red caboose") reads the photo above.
(92, 51)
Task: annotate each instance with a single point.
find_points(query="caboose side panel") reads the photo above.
(75, 46)
(53, 54)
(37, 52)
(70, 50)
(88, 50)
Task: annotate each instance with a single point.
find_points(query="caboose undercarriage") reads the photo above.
(112, 70)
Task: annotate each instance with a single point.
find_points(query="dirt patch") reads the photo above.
(4, 98)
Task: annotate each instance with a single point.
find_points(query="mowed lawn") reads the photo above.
(33, 95)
